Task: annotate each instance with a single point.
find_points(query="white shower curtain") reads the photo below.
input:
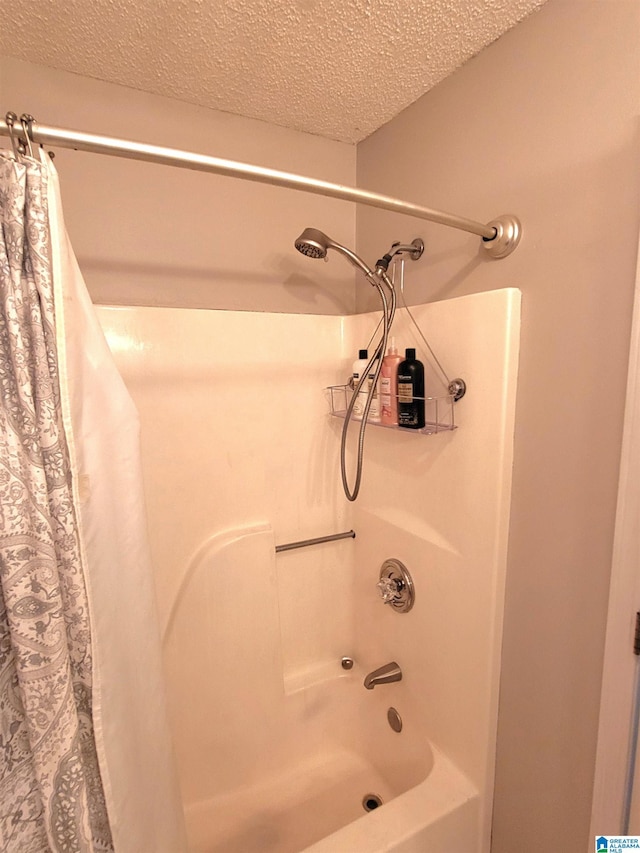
(129, 725)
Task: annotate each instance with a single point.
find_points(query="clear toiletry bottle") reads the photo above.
(389, 386)
(411, 392)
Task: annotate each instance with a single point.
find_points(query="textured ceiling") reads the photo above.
(337, 68)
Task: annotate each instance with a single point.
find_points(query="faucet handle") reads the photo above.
(396, 585)
(389, 589)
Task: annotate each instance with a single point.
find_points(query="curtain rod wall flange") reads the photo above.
(508, 233)
(499, 237)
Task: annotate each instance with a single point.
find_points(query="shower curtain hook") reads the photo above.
(26, 121)
(11, 118)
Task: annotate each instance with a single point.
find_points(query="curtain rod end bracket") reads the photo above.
(508, 233)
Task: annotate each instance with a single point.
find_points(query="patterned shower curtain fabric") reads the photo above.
(51, 796)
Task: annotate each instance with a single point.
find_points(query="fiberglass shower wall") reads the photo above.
(244, 629)
(234, 435)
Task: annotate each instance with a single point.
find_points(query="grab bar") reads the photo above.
(349, 534)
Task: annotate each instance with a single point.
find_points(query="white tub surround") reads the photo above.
(276, 743)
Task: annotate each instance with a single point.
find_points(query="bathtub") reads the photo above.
(276, 765)
(338, 750)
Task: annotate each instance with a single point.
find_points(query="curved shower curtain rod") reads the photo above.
(499, 237)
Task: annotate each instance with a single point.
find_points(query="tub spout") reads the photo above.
(383, 675)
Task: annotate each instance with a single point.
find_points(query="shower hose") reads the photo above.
(388, 313)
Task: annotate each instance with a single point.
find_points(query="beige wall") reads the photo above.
(543, 123)
(152, 235)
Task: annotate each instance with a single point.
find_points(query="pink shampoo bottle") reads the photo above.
(389, 386)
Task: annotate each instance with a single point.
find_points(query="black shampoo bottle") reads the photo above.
(411, 392)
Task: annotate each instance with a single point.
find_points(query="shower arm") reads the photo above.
(499, 237)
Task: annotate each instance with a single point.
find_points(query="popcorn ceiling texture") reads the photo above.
(337, 68)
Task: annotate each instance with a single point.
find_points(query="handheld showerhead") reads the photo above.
(315, 244)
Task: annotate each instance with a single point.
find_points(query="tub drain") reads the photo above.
(371, 802)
